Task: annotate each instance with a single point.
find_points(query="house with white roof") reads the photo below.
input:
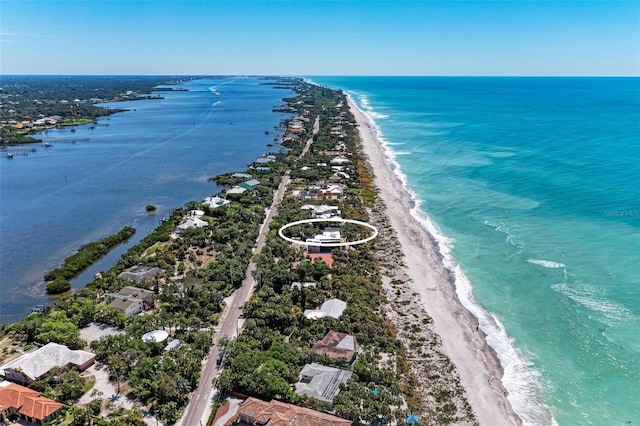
(192, 222)
(330, 235)
(34, 365)
(332, 308)
(215, 202)
(339, 161)
(322, 211)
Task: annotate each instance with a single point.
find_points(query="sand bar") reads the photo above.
(477, 365)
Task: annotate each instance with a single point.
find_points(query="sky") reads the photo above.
(316, 37)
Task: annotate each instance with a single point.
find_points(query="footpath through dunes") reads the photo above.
(416, 281)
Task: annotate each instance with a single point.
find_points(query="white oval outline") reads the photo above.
(333, 219)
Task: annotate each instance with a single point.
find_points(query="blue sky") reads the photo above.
(318, 37)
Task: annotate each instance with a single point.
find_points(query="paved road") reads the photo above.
(199, 408)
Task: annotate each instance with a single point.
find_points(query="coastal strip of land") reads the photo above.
(476, 363)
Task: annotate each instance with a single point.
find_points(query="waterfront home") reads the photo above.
(130, 300)
(321, 382)
(337, 345)
(33, 366)
(236, 190)
(215, 202)
(141, 272)
(255, 411)
(250, 184)
(330, 235)
(27, 404)
(192, 222)
(332, 308)
(241, 176)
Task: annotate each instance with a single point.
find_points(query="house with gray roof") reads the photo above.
(130, 300)
(250, 184)
(321, 382)
(241, 176)
(141, 272)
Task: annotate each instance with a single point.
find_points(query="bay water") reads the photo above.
(531, 186)
(160, 152)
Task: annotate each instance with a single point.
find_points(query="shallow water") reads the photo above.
(532, 186)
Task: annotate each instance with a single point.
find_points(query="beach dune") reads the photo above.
(476, 363)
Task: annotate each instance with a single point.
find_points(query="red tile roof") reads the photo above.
(26, 401)
(334, 345)
(276, 413)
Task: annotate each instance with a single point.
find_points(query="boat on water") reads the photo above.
(9, 155)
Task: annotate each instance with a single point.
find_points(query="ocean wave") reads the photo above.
(594, 299)
(217, 103)
(504, 229)
(213, 90)
(546, 263)
(520, 379)
(501, 154)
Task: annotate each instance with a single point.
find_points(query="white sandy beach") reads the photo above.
(477, 366)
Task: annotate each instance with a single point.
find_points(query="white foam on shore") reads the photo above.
(519, 378)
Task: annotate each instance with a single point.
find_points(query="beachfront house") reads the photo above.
(332, 308)
(321, 382)
(330, 235)
(337, 345)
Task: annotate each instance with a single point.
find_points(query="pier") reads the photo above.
(11, 154)
(64, 140)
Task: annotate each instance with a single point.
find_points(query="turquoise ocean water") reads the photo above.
(531, 187)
